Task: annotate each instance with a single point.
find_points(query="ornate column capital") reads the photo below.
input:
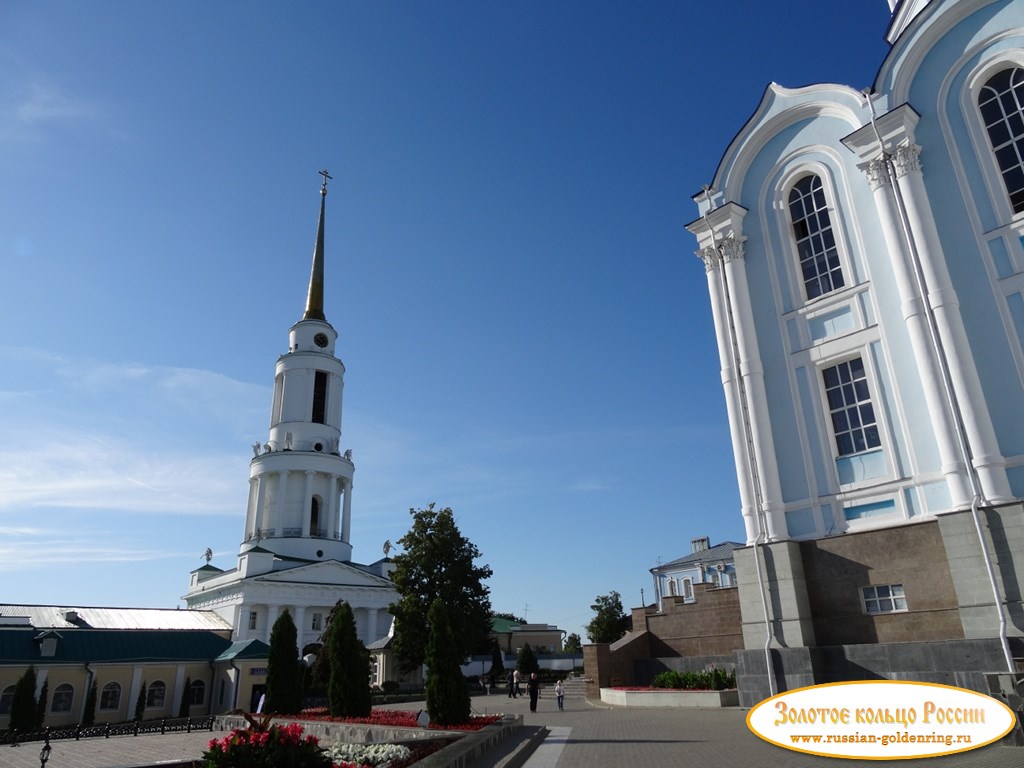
(907, 160)
(710, 257)
(732, 249)
(877, 171)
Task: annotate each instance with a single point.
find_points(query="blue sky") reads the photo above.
(526, 331)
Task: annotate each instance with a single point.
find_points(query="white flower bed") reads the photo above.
(379, 755)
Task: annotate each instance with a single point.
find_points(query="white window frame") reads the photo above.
(151, 700)
(798, 292)
(66, 691)
(113, 688)
(864, 352)
(987, 163)
(317, 622)
(686, 587)
(253, 620)
(876, 598)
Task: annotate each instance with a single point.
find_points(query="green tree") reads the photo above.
(23, 702)
(448, 701)
(437, 562)
(573, 644)
(186, 699)
(284, 678)
(610, 621)
(140, 703)
(44, 695)
(497, 661)
(526, 661)
(348, 690)
(89, 713)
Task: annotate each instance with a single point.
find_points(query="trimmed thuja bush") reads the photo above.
(448, 699)
(708, 680)
(284, 673)
(348, 691)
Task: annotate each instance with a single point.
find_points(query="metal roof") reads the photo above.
(720, 553)
(106, 646)
(95, 617)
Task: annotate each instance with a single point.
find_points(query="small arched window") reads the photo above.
(197, 693)
(815, 242)
(110, 696)
(63, 697)
(6, 697)
(1001, 103)
(156, 694)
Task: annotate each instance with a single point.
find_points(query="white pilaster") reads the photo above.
(752, 375)
(273, 611)
(712, 263)
(261, 518)
(331, 523)
(942, 298)
(346, 521)
(282, 493)
(917, 328)
(307, 505)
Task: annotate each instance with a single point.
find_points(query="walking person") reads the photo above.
(511, 685)
(518, 691)
(559, 694)
(533, 688)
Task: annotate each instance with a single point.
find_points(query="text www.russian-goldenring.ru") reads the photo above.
(885, 739)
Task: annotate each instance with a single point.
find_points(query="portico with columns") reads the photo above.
(296, 550)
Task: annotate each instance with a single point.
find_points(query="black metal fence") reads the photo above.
(106, 730)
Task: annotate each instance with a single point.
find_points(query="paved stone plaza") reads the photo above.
(583, 736)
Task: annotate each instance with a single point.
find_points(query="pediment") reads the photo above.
(330, 573)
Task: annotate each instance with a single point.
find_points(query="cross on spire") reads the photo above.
(326, 175)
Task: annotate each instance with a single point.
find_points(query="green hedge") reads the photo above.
(708, 680)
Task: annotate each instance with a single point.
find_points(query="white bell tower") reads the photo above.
(300, 485)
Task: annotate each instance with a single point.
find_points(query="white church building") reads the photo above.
(296, 550)
(864, 255)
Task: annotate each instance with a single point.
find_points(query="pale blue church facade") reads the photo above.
(864, 254)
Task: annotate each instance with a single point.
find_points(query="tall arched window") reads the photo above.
(314, 517)
(63, 697)
(815, 241)
(1001, 103)
(110, 696)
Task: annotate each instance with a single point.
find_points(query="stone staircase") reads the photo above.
(574, 687)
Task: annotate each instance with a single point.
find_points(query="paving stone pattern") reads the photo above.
(583, 736)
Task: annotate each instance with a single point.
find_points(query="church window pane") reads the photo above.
(252, 619)
(320, 398)
(110, 696)
(63, 697)
(1001, 104)
(197, 693)
(815, 241)
(849, 402)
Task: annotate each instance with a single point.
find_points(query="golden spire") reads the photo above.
(315, 297)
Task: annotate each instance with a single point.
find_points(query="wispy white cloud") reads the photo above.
(48, 551)
(45, 103)
(139, 439)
